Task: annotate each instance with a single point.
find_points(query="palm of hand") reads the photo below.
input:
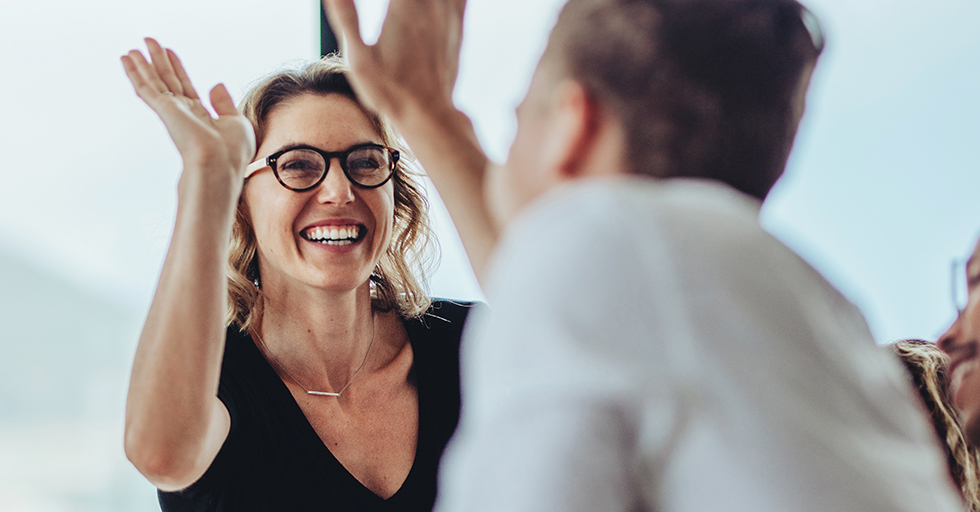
(227, 141)
(416, 58)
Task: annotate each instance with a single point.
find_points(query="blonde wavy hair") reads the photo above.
(397, 280)
(928, 367)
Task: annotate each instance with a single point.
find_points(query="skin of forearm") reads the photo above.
(170, 410)
(444, 141)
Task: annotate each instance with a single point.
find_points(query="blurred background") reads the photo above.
(880, 195)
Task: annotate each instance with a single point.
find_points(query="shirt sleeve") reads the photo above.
(199, 495)
(551, 373)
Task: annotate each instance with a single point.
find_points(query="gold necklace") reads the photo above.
(322, 393)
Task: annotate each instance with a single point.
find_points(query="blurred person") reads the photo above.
(928, 368)
(290, 359)
(962, 343)
(650, 347)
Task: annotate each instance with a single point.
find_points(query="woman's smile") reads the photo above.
(337, 235)
(332, 235)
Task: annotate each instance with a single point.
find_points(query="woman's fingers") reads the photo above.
(200, 137)
(161, 63)
(181, 74)
(185, 82)
(145, 80)
(150, 85)
(143, 90)
(222, 102)
(132, 73)
(233, 126)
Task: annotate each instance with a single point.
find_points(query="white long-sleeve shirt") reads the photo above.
(650, 347)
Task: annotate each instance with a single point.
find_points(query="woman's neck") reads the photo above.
(320, 337)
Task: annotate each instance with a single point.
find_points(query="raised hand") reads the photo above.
(206, 144)
(175, 423)
(409, 75)
(416, 58)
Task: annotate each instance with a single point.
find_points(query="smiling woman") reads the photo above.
(316, 100)
(286, 362)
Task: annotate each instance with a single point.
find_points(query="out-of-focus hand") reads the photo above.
(206, 144)
(416, 59)
(409, 75)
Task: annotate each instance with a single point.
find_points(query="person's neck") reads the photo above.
(320, 336)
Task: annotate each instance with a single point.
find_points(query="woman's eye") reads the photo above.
(364, 164)
(299, 166)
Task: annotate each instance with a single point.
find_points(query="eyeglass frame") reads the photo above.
(963, 281)
(328, 156)
(958, 277)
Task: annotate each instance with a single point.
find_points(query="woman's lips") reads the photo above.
(335, 235)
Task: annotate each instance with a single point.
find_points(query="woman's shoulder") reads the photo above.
(450, 310)
(246, 377)
(435, 337)
(443, 320)
(240, 351)
(436, 333)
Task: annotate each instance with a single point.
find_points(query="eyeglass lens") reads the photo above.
(302, 168)
(960, 288)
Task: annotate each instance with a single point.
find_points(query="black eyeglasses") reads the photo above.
(961, 286)
(302, 168)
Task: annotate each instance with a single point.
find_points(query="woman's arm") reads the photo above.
(409, 76)
(175, 423)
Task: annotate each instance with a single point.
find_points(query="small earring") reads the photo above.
(256, 283)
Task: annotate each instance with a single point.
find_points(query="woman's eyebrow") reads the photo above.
(298, 145)
(293, 145)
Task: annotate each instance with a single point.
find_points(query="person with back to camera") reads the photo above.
(317, 375)
(649, 346)
(928, 369)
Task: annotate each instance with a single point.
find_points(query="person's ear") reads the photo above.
(571, 130)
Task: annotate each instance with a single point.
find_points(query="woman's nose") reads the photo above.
(335, 187)
(948, 341)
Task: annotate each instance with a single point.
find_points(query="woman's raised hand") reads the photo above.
(175, 423)
(205, 143)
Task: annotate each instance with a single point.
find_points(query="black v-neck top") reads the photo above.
(273, 459)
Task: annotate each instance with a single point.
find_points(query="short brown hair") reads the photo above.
(397, 280)
(703, 88)
(928, 368)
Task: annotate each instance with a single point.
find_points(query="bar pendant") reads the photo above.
(322, 393)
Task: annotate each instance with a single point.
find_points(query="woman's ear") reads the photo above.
(571, 130)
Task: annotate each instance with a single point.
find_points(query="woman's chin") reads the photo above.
(971, 426)
(339, 282)
(963, 385)
(965, 391)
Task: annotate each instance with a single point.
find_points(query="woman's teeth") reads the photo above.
(333, 235)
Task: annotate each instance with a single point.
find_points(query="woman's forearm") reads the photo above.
(174, 421)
